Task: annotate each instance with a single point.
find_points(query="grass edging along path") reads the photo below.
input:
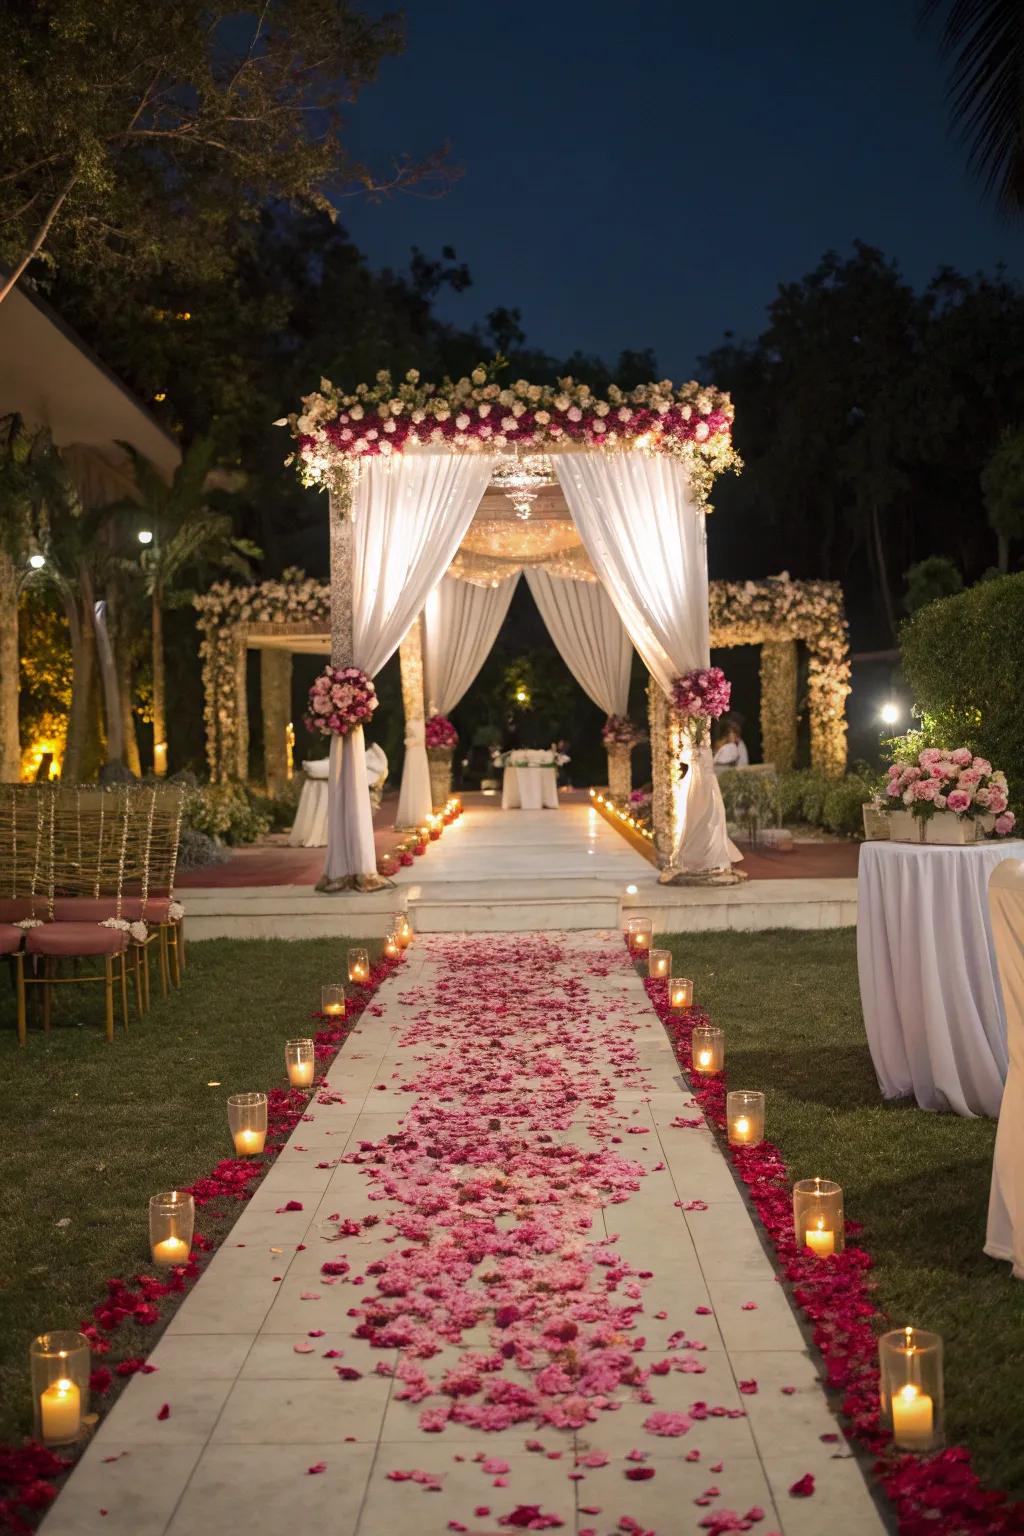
(917, 1182)
(90, 1131)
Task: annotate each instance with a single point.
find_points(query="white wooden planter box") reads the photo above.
(945, 827)
(904, 828)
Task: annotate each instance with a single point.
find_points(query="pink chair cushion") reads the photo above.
(14, 908)
(89, 909)
(71, 939)
(10, 938)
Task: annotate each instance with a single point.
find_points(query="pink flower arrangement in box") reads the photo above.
(441, 735)
(956, 781)
(340, 699)
(704, 691)
(620, 731)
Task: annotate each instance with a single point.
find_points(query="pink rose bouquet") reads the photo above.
(441, 734)
(704, 691)
(340, 699)
(950, 781)
(619, 731)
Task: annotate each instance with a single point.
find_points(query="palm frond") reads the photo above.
(984, 40)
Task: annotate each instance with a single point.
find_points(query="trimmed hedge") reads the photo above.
(963, 658)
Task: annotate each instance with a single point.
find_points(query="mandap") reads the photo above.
(441, 496)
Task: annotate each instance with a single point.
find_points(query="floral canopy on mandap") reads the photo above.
(608, 497)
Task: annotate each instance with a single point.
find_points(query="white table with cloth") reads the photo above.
(529, 789)
(1004, 1235)
(309, 829)
(929, 986)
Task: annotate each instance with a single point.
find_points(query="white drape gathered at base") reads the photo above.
(1004, 1236)
(646, 541)
(410, 514)
(414, 800)
(584, 623)
(460, 625)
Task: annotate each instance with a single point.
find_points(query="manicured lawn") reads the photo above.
(90, 1131)
(918, 1182)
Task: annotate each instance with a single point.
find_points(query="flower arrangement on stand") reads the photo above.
(441, 740)
(340, 699)
(946, 797)
(620, 735)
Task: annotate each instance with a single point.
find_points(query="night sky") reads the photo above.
(646, 175)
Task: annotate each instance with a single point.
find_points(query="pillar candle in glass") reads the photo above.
(910, 1385)
(59, 1367)
(680, 992)
(300, 1062)
(640, 932)
(659, 963)
(332, 1002)
(358, 967)
(744, 1116)
(172, 1216)
(403, 929)
(818, 1216)
(247, 1119)
(392, 949)
(707, 1048)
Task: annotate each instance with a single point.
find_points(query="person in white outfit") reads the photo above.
(731, 751)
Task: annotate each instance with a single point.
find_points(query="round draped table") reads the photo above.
(529, 789)
(929, 986)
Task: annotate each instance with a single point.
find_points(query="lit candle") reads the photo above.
(820, 1239)
(249, 1143)
(173, 1250)
(659, 963)
(704, 1060)
(680, 992)
(391, 947)
(359, 971)
(336, 1010)
(742, 1130)
(300, 1074)
(61, 1408)
(913, 1418)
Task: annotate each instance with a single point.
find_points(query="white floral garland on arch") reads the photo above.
(478, 414)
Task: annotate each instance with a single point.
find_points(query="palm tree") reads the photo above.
(185, 534)
(984, 39)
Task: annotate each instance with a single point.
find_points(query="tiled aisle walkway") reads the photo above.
(253, 1407)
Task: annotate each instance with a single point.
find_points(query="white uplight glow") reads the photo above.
(890, 713)
(145, 536)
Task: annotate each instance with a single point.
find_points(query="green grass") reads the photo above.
(918, 1182)
(90, 1131)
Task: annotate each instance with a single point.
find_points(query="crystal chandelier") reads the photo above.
(521, 478)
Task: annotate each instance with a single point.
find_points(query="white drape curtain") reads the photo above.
(411, 513)
(584, 623)
(414, 799)
(460, 625)
(646, 541)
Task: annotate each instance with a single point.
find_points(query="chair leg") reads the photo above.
(47, 992)
(164, 975)
(175, 948)
(108, 989)
(137, 949)
(124, 988)
(181, 941)
(19, 981)
(145, 975)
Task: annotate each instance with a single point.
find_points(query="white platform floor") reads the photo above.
(523, 871)
(251, 1411)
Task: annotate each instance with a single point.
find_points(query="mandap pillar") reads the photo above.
(414, 801)
(620, 770)
(779, 703)
(666, 773)
(276, 705)
(241, 742)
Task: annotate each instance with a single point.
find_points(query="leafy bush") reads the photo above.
(842, 807)
(810, 796)
(279, 810)
(197, 851)
(750, 798)
(964, 659)
(225, 812)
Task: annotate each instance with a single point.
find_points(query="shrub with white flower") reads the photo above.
(340, 699)
(955, 781)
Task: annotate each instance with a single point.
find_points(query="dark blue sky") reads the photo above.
(646, 175)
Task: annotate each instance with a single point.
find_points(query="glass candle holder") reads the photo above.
(59, 1364)
(402, 929)
(640, 934)
(247, 1119)
(659, 963)
(744, 1115)
(172, 1217)
(707, 1048)
(910, 1384)
(358, 967)
(332, 1002)
(680, 992)
(818, 1216)
(300, 1062)
(392, 949)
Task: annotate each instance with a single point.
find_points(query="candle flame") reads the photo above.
(909, 1392)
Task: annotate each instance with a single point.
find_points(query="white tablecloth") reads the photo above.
(1004, 1237)
(309, 829)
(928, 982)
(529, 789)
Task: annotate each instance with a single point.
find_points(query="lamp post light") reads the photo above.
(36, 562)
(145, 536)
(890, 713)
